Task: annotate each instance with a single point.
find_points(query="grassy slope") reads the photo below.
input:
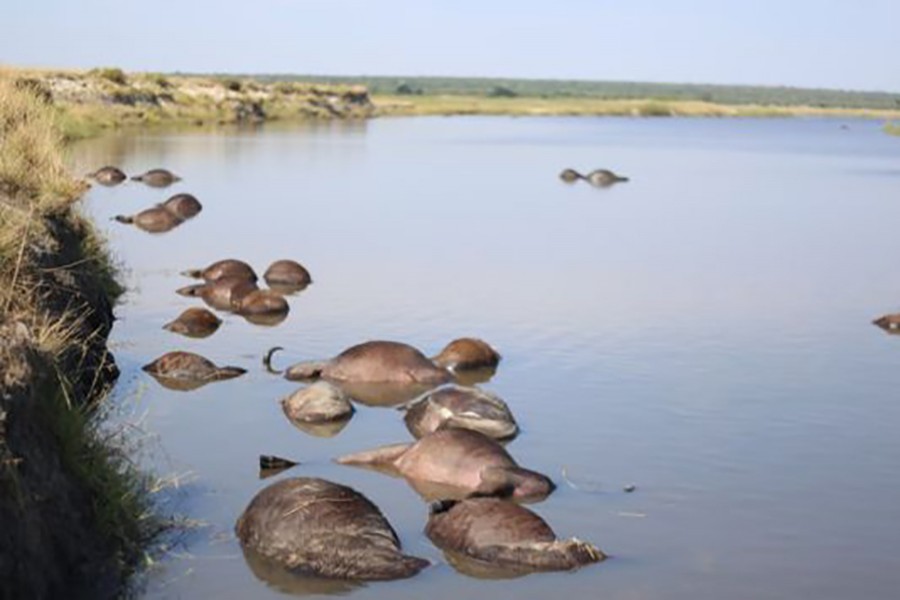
(91, 101)
(56, 288)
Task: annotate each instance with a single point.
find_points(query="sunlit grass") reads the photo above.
(525, 106)
(44, 331)
(33, 174)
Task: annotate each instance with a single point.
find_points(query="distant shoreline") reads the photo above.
(90, 102)
(531, 106)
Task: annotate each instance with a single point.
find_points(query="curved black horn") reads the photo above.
(267, 360)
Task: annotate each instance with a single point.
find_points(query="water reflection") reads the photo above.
(179, 384)
(471, 377)
(294, 582)
(218, 143)
(327, 429)
(383, 394)
(266, 319)
(287, 290)
(704, 344)
(271, 465)
(479, 569)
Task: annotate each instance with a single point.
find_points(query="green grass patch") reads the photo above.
(121, 503)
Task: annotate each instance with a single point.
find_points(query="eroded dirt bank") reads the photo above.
(73, 510)
(53, 541)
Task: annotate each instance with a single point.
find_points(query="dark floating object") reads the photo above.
(570, 175)
(261, 303)
(157, 178)
(195, 323)
(222, 294)
(398, 363)
(152, 220)
(460, 407)
(468, 461)
(270, 465)
(373, 362)
(504, 534)
(270, 461)
(467, 354)
(890, 323)
(183, 206)
(629, 488)
(287, 273)
(325, 529)
(229, 267)
(321, 402)
(187, 371)
(108, 176)
(603, 178)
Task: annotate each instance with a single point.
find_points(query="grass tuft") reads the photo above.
(122, 502)
(112, 74)
(32, 171)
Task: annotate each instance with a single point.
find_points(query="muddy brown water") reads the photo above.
(701, 332)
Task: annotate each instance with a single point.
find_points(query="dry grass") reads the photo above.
(34, 184)
(32, 171)
(532, 106)
(45, 324)
(88, 103)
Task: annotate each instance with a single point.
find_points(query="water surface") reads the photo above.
(701, 332)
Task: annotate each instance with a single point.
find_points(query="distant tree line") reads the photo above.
(612, 90)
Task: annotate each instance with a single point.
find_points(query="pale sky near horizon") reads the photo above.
(803, 43)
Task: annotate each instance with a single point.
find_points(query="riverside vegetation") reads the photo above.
(74, 512)
(104, 98)
(458, 95)
(89, 102)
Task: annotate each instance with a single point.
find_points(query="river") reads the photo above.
(701, 332)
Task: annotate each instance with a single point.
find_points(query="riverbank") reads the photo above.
(531, 106)
(73, 510)
(90, 102)
(421, 105)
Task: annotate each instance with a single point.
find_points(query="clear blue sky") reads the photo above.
(810, 43)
